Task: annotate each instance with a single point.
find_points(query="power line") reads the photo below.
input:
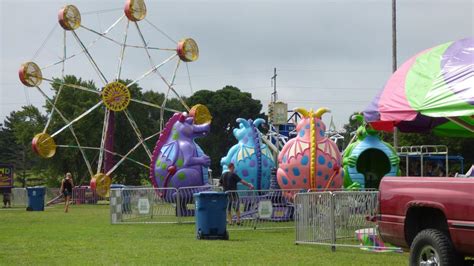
(314, 87)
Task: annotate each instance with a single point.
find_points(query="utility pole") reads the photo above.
(274, 82)
(394, 57)
(274, 99)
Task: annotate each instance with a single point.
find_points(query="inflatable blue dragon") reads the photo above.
(252, 159)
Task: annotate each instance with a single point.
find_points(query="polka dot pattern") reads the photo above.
(305, 160)
(321, 159)
(296, 171)
(294, 174)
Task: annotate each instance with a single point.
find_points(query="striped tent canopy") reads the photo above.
(431, 92)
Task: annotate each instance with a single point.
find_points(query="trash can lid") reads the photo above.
(208, 194)
(36, 187)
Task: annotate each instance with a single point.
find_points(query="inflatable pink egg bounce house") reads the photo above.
(310, 161)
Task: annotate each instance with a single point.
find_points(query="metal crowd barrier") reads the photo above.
(261, 209)
(154, 205)
(85, 195)
(338, 219)
(19, 197)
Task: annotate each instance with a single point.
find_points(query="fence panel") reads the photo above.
(313, 217)
(186, 207)
(338, 218)
(261, 209)
(143, 205)
(19, 197)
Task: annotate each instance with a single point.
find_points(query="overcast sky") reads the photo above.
(331, 53)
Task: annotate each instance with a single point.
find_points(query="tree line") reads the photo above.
(225, 105)
(19, 127)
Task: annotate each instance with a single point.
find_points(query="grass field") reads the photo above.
(84, 236)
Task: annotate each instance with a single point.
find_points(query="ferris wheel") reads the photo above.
(114, 96)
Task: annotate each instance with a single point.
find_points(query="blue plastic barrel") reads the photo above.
(35, 198)
(210, 215)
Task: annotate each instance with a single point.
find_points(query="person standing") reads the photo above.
(66, 189)
(6, 199)
(229, 182)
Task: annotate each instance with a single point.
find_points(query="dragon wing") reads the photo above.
(245, 152)
(169, 151)
(330, 149)
(298, 147)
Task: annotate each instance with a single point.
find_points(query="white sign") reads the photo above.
(279, 114)
(265, 209)
(143, 206)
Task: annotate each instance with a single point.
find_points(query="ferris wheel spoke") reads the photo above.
(71, 128)
(189, 78)
(122, 52)
(91, 60)
(102, 140)
(157, 48)
(103, 34)
(77, 119)
(106, 151)
(60, 87)
(157, 72)
(176, 93)
(54, 108)
(130, 152)
(163, 105)
(160, 31)
(155, 68)
(88, 46)
(154, 105)
(137, 132)
(45, 41)
(71, 85)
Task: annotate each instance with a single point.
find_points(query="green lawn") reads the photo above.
(85, 236)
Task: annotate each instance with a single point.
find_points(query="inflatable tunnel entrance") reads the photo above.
(373, 164)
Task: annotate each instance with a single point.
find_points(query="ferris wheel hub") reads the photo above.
(188, 50)
(44, 145)
(30, 74)
(116, 96)
(69, 17)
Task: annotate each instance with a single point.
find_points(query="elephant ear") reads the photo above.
(242, 121)
(258, 122)
(302, 112)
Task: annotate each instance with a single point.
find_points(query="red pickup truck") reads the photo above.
(433, 217)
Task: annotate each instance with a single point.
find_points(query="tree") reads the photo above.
(20, 127)
(349, 128)
(225, 105)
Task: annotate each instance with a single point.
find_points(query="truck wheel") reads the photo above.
(432, 247)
